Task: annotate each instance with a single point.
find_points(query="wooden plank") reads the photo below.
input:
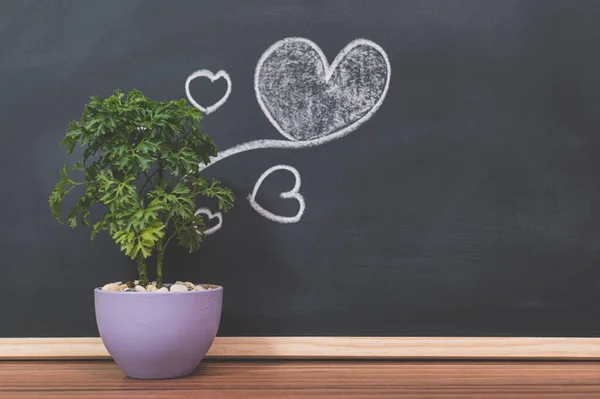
(273, 379)
(331, 347)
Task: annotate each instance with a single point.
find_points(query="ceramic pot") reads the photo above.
(154, 335)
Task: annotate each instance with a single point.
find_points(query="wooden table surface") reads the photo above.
(307, 379)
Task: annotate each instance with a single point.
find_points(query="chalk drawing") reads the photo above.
(305, 98)
(310, 102)
(208, 74)
(207, 212)
(293, 193)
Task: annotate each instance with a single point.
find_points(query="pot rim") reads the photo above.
(219, 288)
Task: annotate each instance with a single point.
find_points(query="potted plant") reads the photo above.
(140, 169)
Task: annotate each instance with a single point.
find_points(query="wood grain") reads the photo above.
(308, 379)
(331, 347)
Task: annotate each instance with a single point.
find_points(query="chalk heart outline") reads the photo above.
(294, 193)
(211, 216)
(205, 73)
(329, 70)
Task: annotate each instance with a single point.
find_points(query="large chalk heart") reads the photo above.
(308, 100)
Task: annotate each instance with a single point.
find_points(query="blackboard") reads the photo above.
(466, 205)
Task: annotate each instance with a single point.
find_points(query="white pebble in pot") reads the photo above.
(139, 288)
(163, 289)
(179, 288)
(111, 287)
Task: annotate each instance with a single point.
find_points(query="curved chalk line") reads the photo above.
(261, 144)
(293, 193)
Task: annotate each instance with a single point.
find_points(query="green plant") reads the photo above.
(140, 162)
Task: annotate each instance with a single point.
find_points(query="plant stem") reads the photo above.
(159, 264)
(142, 271)
(160, 170)
(160, 248)
(148, 179)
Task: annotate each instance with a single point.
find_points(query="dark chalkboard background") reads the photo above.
(468, 205)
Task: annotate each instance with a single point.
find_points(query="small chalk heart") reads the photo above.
(293, 193)
(208, 74)
(207, 212)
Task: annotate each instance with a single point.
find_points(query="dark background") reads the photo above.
(468, 205)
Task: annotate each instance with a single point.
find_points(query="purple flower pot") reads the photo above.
(158, 335)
